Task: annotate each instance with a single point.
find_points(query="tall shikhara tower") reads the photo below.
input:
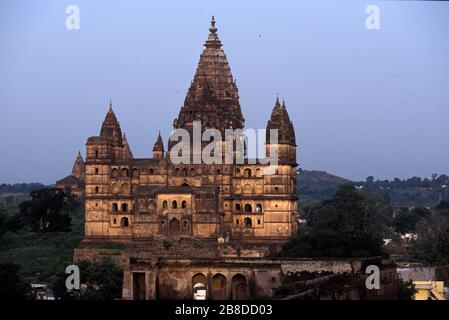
(213, 96)
(129, 198)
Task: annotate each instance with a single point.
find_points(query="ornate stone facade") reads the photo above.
(134, 198)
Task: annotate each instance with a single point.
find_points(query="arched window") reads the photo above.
(164, 205)
(184, 204)
(124, 222)
(192, 171)
(239, 287)
(151, 171)
(177, 171)
(135, 173)
(248, 208)
(237, 221)
(124, 207)
(247, 222)
(238, 189)
(259, 207)
(199, 285)
(237, 172)
(276, 190)
(125, 172)
(219, 287)
(218, 171)
(184, 171)
(185, 224)
(238, 207)
(115, 207)
(247, 173)
(96, 170)
(97, 189)
(258, 173)
(114, 173)
(115, 188)
(96, 154)
(125, 188)
(174, 204)
(258, 221)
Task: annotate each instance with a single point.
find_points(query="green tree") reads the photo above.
(406, 290)
(12, 286)
(406, 219)
(100, 281)
(351, 224)
(48, 210)
(432, 244)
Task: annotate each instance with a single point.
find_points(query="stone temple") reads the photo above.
(178, 228)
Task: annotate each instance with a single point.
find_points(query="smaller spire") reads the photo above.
(127, 154)
(78, 169)
(158, 148)
(283, 103)
(277, 104)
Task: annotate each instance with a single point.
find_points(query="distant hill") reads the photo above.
(11, 194)
(315, 186)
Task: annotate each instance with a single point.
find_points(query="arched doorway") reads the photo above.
(239, 287)
(199, 286)
(174, 226)
(219, 287)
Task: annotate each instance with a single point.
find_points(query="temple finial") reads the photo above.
(212, 28)
(110, 103)
(283, 103)
(277, 101)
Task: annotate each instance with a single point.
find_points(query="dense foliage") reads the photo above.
(100, 281)
(414, 191)
(49, 210)
(12, 287)
(351, 224)
(432, 243)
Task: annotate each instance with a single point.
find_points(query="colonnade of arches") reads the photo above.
(219, 287)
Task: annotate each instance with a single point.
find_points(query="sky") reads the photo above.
(363, 101)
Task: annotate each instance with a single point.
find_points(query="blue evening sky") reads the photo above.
(364, 102)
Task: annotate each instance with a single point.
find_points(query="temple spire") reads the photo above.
(110, 128)
(277, 104)
(280, 121)
(78, 169)
(127, 154)
(158, 148)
